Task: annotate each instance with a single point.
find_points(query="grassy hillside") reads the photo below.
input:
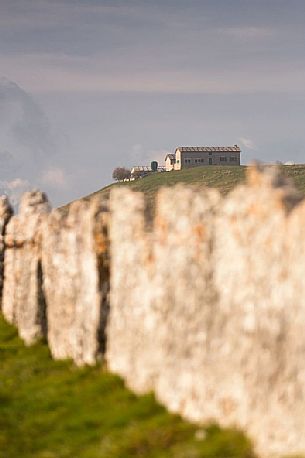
(52, 409)
(224, 178)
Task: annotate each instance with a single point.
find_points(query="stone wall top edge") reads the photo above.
(6, 209)
(34, 202)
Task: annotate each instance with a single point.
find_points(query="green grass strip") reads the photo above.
(51, 409)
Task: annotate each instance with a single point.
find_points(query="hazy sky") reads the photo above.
(88, 85)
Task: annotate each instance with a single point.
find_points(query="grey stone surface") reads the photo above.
(9, 291)
(258, 368)
(23, 302)
(76, 281)
(6, 213)
(132, 289)
(157, 279)
(208, 309)
(206, 303)
(187, 298)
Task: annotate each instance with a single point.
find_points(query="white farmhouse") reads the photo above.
(194, 156)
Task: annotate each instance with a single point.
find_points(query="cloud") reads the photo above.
(87, 75)
(54, 177)
(159, 156)
(14, 189)
(28, 145)
(249, 32)
(141, 156)
(17, 183)
(137, 154)
(25, 133)
(134, 46)
(247, 143)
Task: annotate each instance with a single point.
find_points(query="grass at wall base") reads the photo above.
(51, 409)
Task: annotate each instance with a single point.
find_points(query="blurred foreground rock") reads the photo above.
(23, 302)
(206, 300)
(6, 212)
(76, 281)
(208, 308)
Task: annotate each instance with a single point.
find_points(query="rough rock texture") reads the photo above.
(157, 278)
(76, 281)
(23, 301)
(6, 213)
(207, 301)
(258, 340)
(9, 308)
(130, 348)
(208, 309)
(187, 299)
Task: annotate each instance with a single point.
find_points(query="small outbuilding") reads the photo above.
(169, 162)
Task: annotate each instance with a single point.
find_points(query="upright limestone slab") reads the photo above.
(208, 309)
(130, 349)
(6, 213)
(59, 273)
(9, 304)
(159, 281)
(185, 299)
(23, 301)
(258, 341)
(76, 281)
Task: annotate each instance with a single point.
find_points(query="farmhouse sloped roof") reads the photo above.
(204, 149)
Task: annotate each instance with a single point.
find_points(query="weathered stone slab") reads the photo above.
(186, 302)
(132, 287)
(208, 309)
(23, 301)
(76, 281)
(258, 339)
(207, 303)
(6, 213)
(158, 280)
(9, 307)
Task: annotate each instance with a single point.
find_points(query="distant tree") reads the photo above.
(120, 173)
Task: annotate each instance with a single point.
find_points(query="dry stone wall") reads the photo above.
(6, 213)
(262, 308)
(22, 297)
(132, 292)
(169, 279)
(211, 315)
(76, 281)
(204, 305)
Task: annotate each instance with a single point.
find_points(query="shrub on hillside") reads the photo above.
(121, 173)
